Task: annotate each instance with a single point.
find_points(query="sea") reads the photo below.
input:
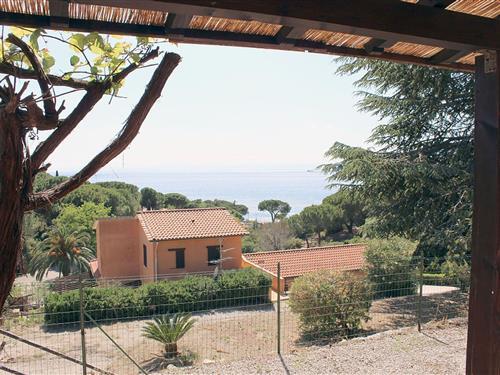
(300, 188)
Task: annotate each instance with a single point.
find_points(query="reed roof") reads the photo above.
(153, 18)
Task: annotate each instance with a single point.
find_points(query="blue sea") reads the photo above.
(300, 188)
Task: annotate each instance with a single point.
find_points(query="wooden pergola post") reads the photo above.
(483, 344)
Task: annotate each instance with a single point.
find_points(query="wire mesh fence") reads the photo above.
(56, 327)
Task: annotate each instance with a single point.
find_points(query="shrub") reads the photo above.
(330, 304)
(434, 279)
(457, 272)
(62, 307)
(100, 303)
(390, 267)
(192, 293)
(243, 287)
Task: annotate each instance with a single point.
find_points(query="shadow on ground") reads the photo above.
(398, 312)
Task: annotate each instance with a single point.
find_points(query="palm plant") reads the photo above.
(168, 329)
(63, 250)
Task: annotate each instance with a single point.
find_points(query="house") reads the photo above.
(164, 243)
(296, 262)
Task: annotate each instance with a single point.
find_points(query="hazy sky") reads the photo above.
(228, 108)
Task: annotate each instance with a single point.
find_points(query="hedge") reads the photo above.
(434, 279)
(192, 293)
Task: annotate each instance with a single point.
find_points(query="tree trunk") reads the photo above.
(17, 167)
(319, 238)
(11, 205)
(171, 350)
(307, 242)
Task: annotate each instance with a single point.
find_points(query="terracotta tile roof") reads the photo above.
(161, 225)
(297, 262)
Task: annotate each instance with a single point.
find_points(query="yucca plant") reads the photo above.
(168, 329)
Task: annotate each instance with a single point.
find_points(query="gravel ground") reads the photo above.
(228, 336)
(439, 349)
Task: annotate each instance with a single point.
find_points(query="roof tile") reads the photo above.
(162, 225)
(297, 262)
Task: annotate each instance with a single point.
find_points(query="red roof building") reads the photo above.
(296, 262)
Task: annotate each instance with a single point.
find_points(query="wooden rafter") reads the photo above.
(59, 12)
(376, 18)
(178, 21)
(195, 36)
(376, 46)
(425, 23)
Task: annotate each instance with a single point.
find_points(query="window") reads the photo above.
(213, 254)
(179, 258)
(145, 255)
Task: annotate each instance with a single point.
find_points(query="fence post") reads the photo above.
(278, 307)
(420, 292)
(82, 326)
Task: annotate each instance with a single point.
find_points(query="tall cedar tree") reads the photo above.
(417, 180)
(98, 67)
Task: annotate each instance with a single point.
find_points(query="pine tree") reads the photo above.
(417, 178)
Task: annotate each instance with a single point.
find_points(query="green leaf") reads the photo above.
(74, 60)
(94, 48)
(142, 40)
(135, 57)
(77, 40)
(34, 39)
(95, 39)
(108, 48)
(20, 32)
(48, 62)
(116, 62)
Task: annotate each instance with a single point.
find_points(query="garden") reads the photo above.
(199, 320)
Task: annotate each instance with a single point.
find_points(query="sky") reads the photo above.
(227, 108)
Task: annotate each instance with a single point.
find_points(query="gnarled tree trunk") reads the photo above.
(11, 205)
(18, 167)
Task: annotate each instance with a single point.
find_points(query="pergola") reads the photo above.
(462, 35)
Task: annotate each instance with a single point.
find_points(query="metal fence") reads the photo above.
(88, 335)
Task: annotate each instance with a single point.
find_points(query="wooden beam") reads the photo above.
(448, 56)
(442, 4)
(194, 36)
(376, 46)
(483, 342)
(178, 21)
(376, 18)
(257, 41)
(290, 32)
(59, 13)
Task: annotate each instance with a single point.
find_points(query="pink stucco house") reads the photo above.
(162, 243)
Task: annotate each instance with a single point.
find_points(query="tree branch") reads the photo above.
(12, 70)
(49, 104)
(124, 138)
(94, 93)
